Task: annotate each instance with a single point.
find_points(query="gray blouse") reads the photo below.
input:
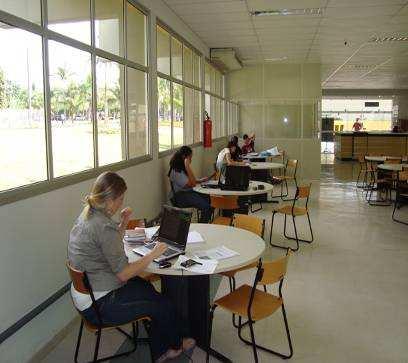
(95, 246)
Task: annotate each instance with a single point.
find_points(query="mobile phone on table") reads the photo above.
(164, 264)
(189, 263)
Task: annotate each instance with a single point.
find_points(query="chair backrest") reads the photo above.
(249, 223)
(392, 161)
(361, 159)
(78, 279)
(302, 193)
(224, 202)
(274, 271)
(292, 165)
(134, 223)
(403, 176)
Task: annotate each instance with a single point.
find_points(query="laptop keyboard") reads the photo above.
(167, 252)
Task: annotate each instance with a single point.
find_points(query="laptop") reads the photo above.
(174, 227)
(236, 178)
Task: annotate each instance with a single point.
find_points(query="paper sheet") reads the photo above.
(217, 253)
(194, 237)
(150, 232)
(207, 266)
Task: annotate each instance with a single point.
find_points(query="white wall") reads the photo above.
(269, 93)
(34, 231)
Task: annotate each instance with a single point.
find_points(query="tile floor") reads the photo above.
(346, 295)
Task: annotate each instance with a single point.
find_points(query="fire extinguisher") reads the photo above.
(207, 130)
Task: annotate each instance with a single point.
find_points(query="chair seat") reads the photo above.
(93, 328)
(225, 221)
(149, 276)
(233, 272)
(263, 305)
(287, 209)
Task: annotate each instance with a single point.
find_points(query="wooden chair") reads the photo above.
(142, 223)
(293, 210)
(253, 305)
(364, 172)
(393, 161)
(401, 194)
(81, 284)
(291, 167)
(223, 203)
(252, 224)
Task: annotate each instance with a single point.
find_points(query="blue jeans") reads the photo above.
(190, 198)
(136, 299)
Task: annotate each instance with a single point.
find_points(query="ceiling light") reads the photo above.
(284, 12)
(285, 120)
(276, 59)
(391, 38)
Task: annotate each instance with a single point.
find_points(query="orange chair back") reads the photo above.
(274, 271)
(77, 278)
(134, 223)
(403, 175)
(224, 202)
(292, 163)
(249, 223)
(361, 159)
(392, 161)
(303, 191)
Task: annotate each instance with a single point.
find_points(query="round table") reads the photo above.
(378, 159)
(265, 166)
(392, 167)
(240, 193)
(249, 246)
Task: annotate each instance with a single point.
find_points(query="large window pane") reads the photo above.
(196, 69)
(188, 65)
(22, 135)
(176, 58)
(197, 116)
(164, 114)
(27, 9)
(109, 88)
(137, 112)
(71, 94)
(70, 18)
(178, 116)
(189, 114)
(109, 26)
(163, 51)
(136, 35)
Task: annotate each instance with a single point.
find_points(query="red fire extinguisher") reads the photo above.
(207, 130)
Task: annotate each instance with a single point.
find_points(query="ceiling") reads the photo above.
(339, 38)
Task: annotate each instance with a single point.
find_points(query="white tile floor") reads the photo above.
(346, 295)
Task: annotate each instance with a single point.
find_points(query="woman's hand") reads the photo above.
(187, 162)
(125, 214)
(158, 250)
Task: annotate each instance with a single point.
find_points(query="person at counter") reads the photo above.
(249, 144)
(358, 125)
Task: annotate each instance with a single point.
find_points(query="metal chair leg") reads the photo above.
(251, 329)
(284, 229)
(98, 340)
(210, 333)
(296, 238)
(393, 213)
(81, 327)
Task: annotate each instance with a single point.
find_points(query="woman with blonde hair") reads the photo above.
(95, 246)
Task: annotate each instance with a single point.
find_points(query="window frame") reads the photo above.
(52, 183)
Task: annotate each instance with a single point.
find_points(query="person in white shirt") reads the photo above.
(224, 157)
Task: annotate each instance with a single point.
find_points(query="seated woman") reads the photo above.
(249, 144)
(183, 181)
(95, 246)
(225, 157)
(236, 156)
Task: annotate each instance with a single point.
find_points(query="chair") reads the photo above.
(401, 195)
(221, 202)
(381, 181)
(252, 224)
(393, 160)
(141, 223)
(291, 165)
(302, 193)
(253, 305)
(365, 171)
(81, 284)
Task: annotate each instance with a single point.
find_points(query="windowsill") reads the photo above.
(32, 190)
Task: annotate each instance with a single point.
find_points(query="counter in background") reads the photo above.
(351, 145)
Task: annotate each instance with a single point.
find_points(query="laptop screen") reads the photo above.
(174, 225)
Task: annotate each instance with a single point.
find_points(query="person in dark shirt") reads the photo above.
(236, 155)
(249, 144)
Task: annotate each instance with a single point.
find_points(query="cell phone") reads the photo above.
(164, 264)
(189, 263)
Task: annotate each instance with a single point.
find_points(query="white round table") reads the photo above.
(240, 193)
(392, 167)
(265, 166)
(249, 246)
(378, 159)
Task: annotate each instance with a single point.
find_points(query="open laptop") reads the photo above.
(236, 178)
(174, 227)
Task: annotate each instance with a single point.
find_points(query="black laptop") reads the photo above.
(236, 178)
(174, 227)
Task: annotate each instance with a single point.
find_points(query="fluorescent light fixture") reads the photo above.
(277, 59)
(391, 38)
(285, 120)
(284, 12)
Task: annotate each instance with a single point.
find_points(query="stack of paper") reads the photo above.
(135, 236)
(217, 253)
(204, 267)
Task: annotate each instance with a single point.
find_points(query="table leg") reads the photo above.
(191, 296)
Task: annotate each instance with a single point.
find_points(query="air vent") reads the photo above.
(225, 59)
(391, 38)
(285, 12)
(359, 67)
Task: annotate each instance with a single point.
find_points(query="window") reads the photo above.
(71, 99)
(109, 26)
(179, 93)
(89, 90)
(22, 121)
(70, 18)
(109, 89)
